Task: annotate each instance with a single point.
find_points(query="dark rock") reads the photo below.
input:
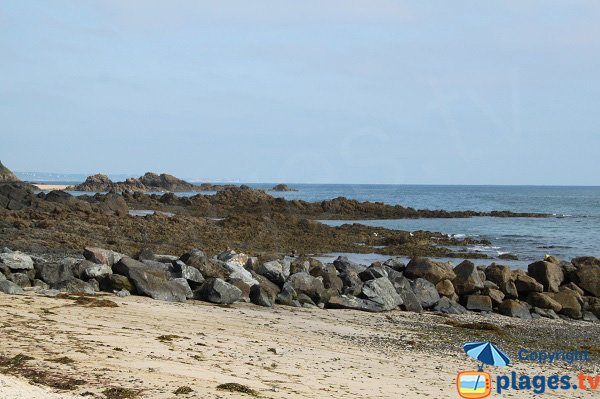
(113, 203)
(395, 264)
(191, 274)
(480, 303)
(53, 273)
(275, 271)
(243, 287)
(282, 187)
(218, 291)
(589, 316)
(15, 196)
(344, 265)
(502, 276)
(372, 272)
(304, 283)
(515, 308)
(526, 284)
(550, 275)
(300, 265)
(329, 275)
(429, 270)
(20, 279)
(588, 277)
(425, 292)
(116, 283)
(569, 301)
(467, 279)
(547, 313)
(186, 287)
(209, 268)
(265, 293)
(410, 302)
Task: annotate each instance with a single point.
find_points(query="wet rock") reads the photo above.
(218, 291)
(431, 271)
(276, 271)
(425, 292)
(550, 275)
(74, 285)
(447, 306)
(467, 279)
(445, 288)
(513, 308)
(8, 287)
(481, 303)
(101, 256)
(502, 276)
(16, 260)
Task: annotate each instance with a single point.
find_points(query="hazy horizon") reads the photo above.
(365, 92)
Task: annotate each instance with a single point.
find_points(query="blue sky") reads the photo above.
(450, 92)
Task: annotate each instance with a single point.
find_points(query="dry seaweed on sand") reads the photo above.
(183, 390)
(120, 393)
(235, 387)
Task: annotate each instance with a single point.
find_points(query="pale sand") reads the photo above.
(50, 187)
(319, 352)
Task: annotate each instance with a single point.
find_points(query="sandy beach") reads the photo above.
(50, 187)
(153, 348)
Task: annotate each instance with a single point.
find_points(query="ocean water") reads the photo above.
(573, 230)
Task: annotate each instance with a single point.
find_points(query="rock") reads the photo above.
(351, 282)
(8, 287)
(234, 258)
(569, 301)
(282, 187)
(495, 295)
(467, 279)
(74, 285)
(16, 260)
(218, 291)
(372, 272)
(548, 313)
(304, 283)
(115, 283)
(445, 288)
(382, 292)
(589, 316)
(300, 265)
(585, 260)
(502, 276)
(243, 286)
(20, 279)
(328, 274)
(276, 271)
(490, 285)
(53, 273)
(186, 287)
(209, 268)
(97, 271)
(122, 293)
(588, 278)
(343, 265)
(526, 284)
(595, 309)
(480, 303)
(150, 281)
(395, 264)
(40, 284)
(429, 270)
(550, 275)
(573, 287)
(101, 256)
(15, 196)
(410, 302)
(113, 203)
(191, 274)
(448, 306)
(265, 293)
(6, 175)
(543, 301)
(513, 308)
(425, 292)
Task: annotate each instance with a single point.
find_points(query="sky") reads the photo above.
(312, 91)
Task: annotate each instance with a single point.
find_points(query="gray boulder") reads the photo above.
(304, 283)
(588, 278)
(191, 274)
(431, 271)
(480, 303)
(345, 265)
(410, 302)
(447, 306)
(102, 256)
(20, 279)
(547, 313)
(467, 279)
(502, 276)
(208, 267)
(8, 287)
(74, 285)
(186, 287)
(53, 273)
(276, 271)
(16, 260)
(328, 274)
(96, 271)
(541, 300)
(218, 291)
(381, 292)
(264, 293)
(526, 284)
(550, 275)
(425, 292)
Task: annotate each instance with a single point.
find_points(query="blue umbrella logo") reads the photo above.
(486, 352)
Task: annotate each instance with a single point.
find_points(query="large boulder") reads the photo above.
(328, 274)
(377, 295)
(570, 301)
(116, 283)
(8, 287)
(20, 279)
(513, 308)
(276, 271)
(445, 288)
(52, 273)
(264, 293)
(526, 284)
(6, 175)
(96, 271)
(481, 303)
(588, 278)
(425, 292)
(495, 295)
(16, 260)
(236, 271)
(208, 267)
(467, 280)
(304, 283)
(345, 265)
(502, 276)
(150, 281)
(372, 272)
(447, 306)
(550, 275)
(191, 274)
(429, 270)
(74, 285)
(410, 301)
(543, 301)
(15, 196)
(216, 290)
(113, 203)
(101, 255)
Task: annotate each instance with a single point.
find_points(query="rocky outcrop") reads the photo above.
(282, 187)
(467, 280)
(429, 270)
(218, 291)
(550, 275)
(7, 176)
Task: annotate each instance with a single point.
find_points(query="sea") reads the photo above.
(573, 228)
